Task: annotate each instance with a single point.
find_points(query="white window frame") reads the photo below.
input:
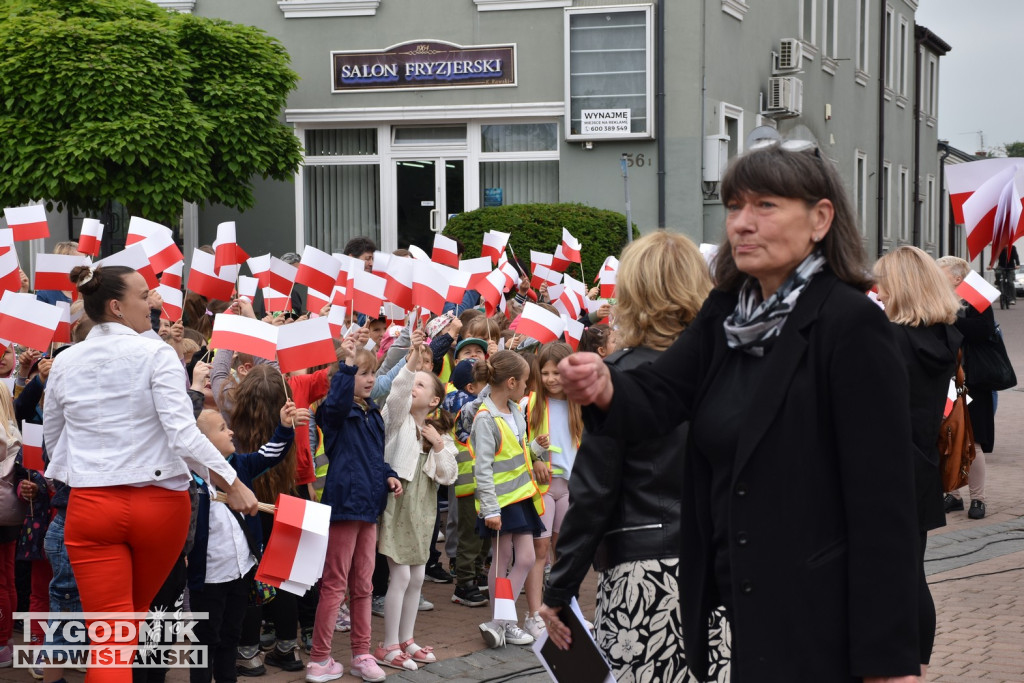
(932, 80)
(809, 39)
(863, 38)
(903, 203)
(860, 190)
(648, 10)
(931, 210)
(499, 5)
(829, 8)
(737, 9)
(890, 49)
(903, 53)
(887, 201)
(311, 9)
(731, 111)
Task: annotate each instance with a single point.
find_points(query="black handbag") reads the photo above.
(987, 364)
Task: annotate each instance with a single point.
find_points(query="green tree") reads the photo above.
(120, 100)
(1014, 149)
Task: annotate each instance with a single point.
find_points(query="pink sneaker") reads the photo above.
(366, 666)
(321, 673)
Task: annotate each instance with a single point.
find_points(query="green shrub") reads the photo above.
(539, 227)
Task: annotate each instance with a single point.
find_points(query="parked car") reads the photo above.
(1018, 281)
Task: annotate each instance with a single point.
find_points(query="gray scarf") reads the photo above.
(754, 325)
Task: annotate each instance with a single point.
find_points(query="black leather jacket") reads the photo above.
(624, 500)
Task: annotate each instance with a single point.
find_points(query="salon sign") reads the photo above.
(424, 64)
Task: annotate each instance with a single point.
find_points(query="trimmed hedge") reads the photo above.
(539, 227)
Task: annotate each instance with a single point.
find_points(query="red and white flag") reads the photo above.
(560, 261)
(305, 344)
(504, 601)
(541, 258)
(980, 211)
(492, 290)
(27, 222)
(974, 289)
(478, 269)
(276, 302)
(273, 272)
(400, 275)
(368, 293)
(62, 335)
(173, 302)
(446, 251)
(571, 247)
(140, 228)
(133, 257)
(204, 280)
(542, 275)
(494, 244)
(244, 335)
(975, 191)
(566, 301)
(161, 250)
(6, 240)
(52, 271)
(608, 277)
(315, 301)
(540, 323)
(458, 282)
(950, 398)
(429, 287)
(247, 286)
(28, 322)
(91, 237)
(225, 247)
(294, 557)
(32, 446)
(573, 332)
(317, 269)
(10, 272)
(171, 277)
(336, 319)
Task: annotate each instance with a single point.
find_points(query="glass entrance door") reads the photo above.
(427, 191)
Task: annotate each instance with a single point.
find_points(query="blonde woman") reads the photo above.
(10, 526)
(923, 308)
(625, 509)
(976, 327)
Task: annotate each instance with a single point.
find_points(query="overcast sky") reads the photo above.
(977, 88)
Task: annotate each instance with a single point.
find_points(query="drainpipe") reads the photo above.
(880, 212)
(950, 236)
(659, 107)
(917, 141)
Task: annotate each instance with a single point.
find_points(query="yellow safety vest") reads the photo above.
(512, 470)
(446, 368)
(319, 465)
(465, 484)
(543, 429)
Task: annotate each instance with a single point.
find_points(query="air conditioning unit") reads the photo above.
(785, 97)
(791, 54)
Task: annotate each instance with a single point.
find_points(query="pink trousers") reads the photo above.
(348, 566)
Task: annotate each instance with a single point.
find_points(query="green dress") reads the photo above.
(407, 525)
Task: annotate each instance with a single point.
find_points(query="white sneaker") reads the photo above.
(493, 634)
(516, 635)
(534, 625)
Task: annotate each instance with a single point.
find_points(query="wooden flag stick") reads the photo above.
(284, 383)
(222, 497)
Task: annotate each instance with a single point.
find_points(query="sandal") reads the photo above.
(420, 655)
(393, 656)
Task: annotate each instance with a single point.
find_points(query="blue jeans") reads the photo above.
(63, 589)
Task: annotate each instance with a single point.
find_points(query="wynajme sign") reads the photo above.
(424, 64)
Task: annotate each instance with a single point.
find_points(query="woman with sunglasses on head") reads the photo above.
(798, 485)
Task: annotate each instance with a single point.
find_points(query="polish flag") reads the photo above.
(227, 251)
(304, 345)
(950, 398)
(974, 289)
(317, 269)
(10, 277)
(608, 277)
(244, 335)
(492, 290)
(571, 247)
(339, 297)
(171, 277)
(610, 263)
(458, 282)
(539, 323)
(294, 557)
(161, 251)
(62, 335)
(350, 265)
(573, 332)
(560, 261)
(173, 302)
(478, 269)
(133, 257)
(273, 272)
(446, 251)
(27, 222)
(336, 320)
(980, 211)
(511, 274)
(315, 301)
(541, 258)
(28, 322)
(6, 240)
(965, 179)
(494, 244)
(566, 301)
(368, 293)
(52, 271)
(544, 275)
(504, 601)
(32, 446)
(429, 287)
(276, 302)
(139, 229)
(91, 237)
(247, 286)
(204, 280)
(400, 276)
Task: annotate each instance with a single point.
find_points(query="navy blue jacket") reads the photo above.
(357, 476)
(248, 466)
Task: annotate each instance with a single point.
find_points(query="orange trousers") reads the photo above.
(122, 542)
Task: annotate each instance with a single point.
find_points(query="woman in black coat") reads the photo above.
(922, 307)
(798, 484)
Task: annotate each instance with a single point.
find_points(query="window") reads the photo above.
(731, 125)
(519, 137)
(903, 204)
(902, 58)
(930, 211)
(887, 206)
(522, 160)
(932, 90)
(863, 44)
(735, 8)
(807, 23)
(829, 9)
(609, 72)
(888, 47)
(860, 191)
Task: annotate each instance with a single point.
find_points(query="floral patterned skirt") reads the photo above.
(638, 626)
